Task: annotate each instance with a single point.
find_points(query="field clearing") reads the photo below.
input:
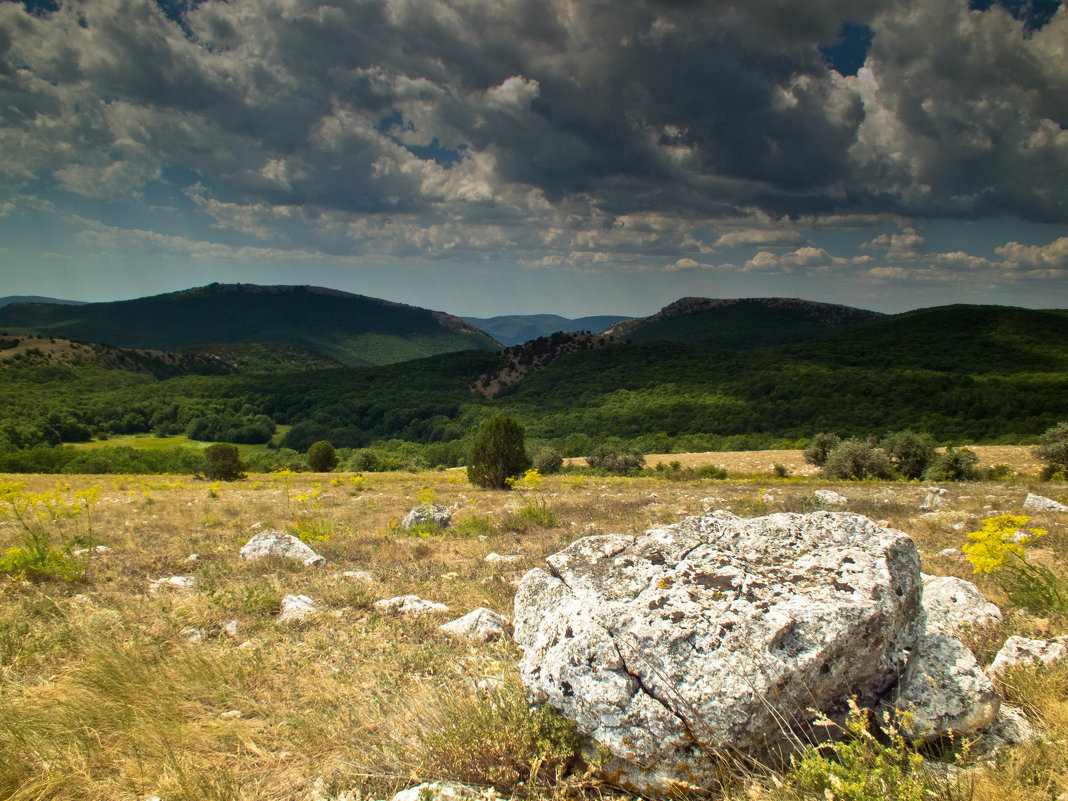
(751, 463)
(114, 688)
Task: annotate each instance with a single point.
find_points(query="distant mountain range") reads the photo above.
(37, 299)
(352, 329)
(515, 329)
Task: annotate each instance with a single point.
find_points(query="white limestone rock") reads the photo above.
(719, 630)
(296, 607)
(481, 625)
(1036, 504)
(953, 604)
(1025, 651)
(274, 543)
(427, 513)
(408, 605)
(945, 690)
(444, 791)
(172, 583)
(1010, 727)
(830, 497)
(496, 557)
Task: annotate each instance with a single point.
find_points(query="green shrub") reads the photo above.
(223, 463)
(497, 454)
(817, 449)
(856, 458)
(911, 452)
(615, 460)
(547, 460)
(954, 465)
(322, 458)
(1054, 449)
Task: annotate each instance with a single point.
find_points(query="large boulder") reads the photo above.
(274, 543)
(427, 514)
(717, 635)
(954, 605)
(1036, 504)
(481, 626)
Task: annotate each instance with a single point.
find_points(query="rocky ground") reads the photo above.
(166, 667)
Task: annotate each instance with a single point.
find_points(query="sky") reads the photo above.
(576, 157)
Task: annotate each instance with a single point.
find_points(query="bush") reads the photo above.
(547, 460)
(821, 445)
(954, 465)
(855, 458)
(497, 454)
(613, 460)
(322, 458)
(910, 451)
(1054, 448)
(223, 463)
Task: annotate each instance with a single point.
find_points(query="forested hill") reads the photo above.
(742, 324)
(515, 329)
(352, 329)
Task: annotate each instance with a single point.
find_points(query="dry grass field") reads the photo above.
(112, 687)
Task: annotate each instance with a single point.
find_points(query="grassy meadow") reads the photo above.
(112, 687)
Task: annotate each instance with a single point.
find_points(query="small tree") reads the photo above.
(1053, 449)
(954, 465)
(855, 458)
(223, 463)
(322, 458)
(497, 454)
(819, 447)
(910, 451)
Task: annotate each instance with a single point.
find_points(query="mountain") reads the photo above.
(6, 301)
(515, 329)
(740, 324)
(28, 352)
(352, 329)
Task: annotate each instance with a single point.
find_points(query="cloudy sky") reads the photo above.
(518, 156)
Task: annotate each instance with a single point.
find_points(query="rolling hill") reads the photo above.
(742, 324)
(352, 329)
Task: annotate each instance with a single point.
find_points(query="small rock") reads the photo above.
(362, 575)
(1038, 503)
(830, 497)
(954, 604)
(931, 501)
(949, 552)
(427, 513)
(1010, 727)
(1024, 651)
(230, 629)
(84, 551)
(295, 607)
(496, 557)
(481, 625)
(275, 543)
(193, 557)
(232, 714)
(193, 635)
(945, 690)
(408, 605)
(444, 791)
(173, 582)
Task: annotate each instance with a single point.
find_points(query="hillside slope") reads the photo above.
(352, 329)
(740, 324)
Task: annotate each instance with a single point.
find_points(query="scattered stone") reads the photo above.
(193, 557)
(362, 575)
(954, 604)
(296, 607)
(496, 557)
(84, 551)
(408, 605)
(428, 513)
(481, 625)
(1024, 651)
(1038, 503)
(193, 635)
(172, 582)
(949, 552)
(274, 543)
(945, 690)
(718, 630)
(932, 501)
(230, 628)
(444, 791)
(232, 714)
(830, 497)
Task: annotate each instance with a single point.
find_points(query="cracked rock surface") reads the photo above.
(717, 635)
